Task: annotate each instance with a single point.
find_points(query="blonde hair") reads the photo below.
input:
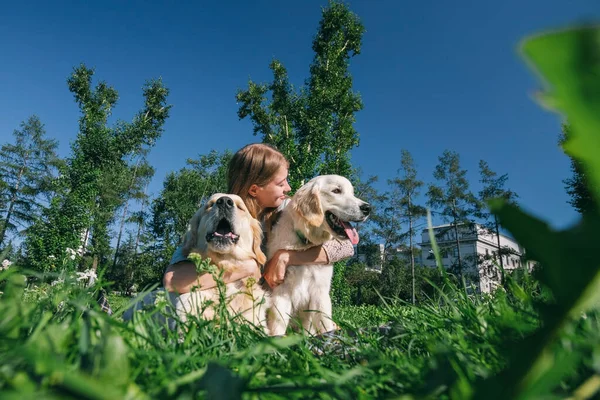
(254, 164)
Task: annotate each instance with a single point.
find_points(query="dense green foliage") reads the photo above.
(96, 175)
(27, 176)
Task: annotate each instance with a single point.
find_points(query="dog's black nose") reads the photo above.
(365, 208)
(225, 202)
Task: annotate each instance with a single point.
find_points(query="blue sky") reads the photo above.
(433, 75)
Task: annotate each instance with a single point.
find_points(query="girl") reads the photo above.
(258, 174)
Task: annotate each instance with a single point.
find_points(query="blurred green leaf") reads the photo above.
(569, 62)
(221, 384)
(115, 364)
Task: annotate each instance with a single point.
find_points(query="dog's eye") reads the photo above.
(337, 190)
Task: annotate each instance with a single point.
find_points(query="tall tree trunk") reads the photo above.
(140, 222)
(13, 200)
(86, 238)
(120, 233)
(7, 219)
(122, 225)
(412, 254)
(497, 226)
(94, 253)
(460, 269)
(95, 264)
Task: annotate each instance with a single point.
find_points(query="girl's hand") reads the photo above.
(275, 268)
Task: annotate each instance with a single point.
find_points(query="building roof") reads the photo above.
(506, 235)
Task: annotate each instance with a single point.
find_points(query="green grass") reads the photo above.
(58, 345)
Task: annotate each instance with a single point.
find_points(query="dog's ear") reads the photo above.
(257, 236)
(190, 239)
(307, 203)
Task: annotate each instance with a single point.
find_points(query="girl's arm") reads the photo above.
(182, 277)
(330, 252)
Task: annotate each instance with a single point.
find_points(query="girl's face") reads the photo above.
(273, 193)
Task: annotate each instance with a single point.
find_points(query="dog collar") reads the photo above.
(302, 238)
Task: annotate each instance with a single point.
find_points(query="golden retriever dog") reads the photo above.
(224, 231)
(321, 210)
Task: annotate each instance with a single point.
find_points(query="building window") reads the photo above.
(487, 252)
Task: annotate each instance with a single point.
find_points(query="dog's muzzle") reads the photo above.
(223, 233)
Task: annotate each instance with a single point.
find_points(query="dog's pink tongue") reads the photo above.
(350, 232)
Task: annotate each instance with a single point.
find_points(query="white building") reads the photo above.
(479, 252)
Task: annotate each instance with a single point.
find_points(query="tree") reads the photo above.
(341, 292)
(139, 218)
(396, 281)
(136, 270)
(405, 189)
(493, 188)
(98, 160)
(142, 173)
(364, 283)
(27, 170)
(391, 280)
(386, 223)
(451, 197)
(366, 191)
(578, 186)
(313, 128)
(112, 187)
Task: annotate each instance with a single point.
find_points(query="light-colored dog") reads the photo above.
(224, 231)
(319, 211)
